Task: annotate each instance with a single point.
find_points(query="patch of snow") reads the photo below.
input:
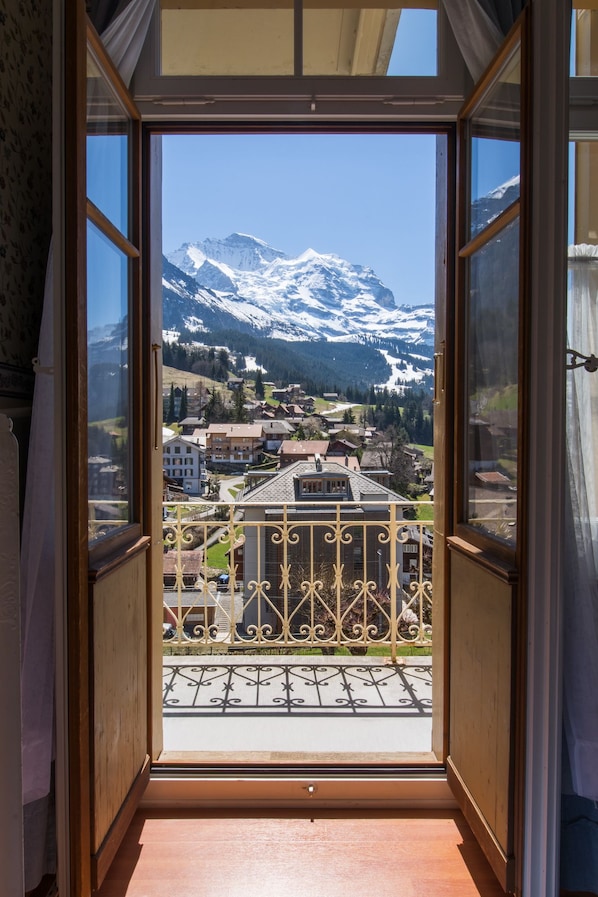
(252, 365)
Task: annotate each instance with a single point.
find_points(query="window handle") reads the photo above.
(439, 374)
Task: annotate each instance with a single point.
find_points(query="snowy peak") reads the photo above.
(240, 252)
(488, 207)
(243, 283)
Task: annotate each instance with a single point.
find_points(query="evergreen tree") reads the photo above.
(171, 413)
(259, 385)
(216, 411)
(183, 409)
(240, 412)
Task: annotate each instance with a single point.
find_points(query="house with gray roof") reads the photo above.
(295, 537)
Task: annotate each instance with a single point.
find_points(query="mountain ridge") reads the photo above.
(310, 296)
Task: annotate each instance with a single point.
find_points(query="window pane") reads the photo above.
(495, 149)
(223, 37)
(358, 41)
(492, 385)
(584, 43)
(109, 410)
(415, 50)
(227, 41)
(107, 151)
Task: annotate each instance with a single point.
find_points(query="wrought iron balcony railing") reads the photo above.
(324, 575)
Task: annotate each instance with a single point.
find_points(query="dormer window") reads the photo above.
(324, 486)
(312, 487)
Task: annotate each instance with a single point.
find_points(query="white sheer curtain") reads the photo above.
(580, 626)
(124, 37)
(479, 27)
(123, 40)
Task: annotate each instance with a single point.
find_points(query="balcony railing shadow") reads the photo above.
(297, 687)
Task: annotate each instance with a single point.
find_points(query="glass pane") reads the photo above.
(495, 149)
(583, 191)
(584, 43)
(358, 41)
(492, 386)
(227, 41)
(222, 37)
(107, 151)
(415, 51)
(109, 409)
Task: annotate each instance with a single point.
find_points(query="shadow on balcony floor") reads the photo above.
(297, 704)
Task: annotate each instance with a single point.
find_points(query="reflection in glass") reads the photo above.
(108, 385)
(492, 385)
(495, 149)
(107, 150)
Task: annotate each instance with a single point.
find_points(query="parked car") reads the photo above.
(222, 582)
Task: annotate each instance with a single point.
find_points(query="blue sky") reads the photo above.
(369, 198)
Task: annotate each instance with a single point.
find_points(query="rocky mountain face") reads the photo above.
(242, 283)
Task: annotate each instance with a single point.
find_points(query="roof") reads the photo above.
(191, 561)
(275, 426)
(493, 478)
(181, 440)
(282, 487)
(251, 431)
(304, 447)
(373, 459)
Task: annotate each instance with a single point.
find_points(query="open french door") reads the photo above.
(108, 423)
(484, 582)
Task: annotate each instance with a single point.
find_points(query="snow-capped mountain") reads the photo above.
(240, 282)
(488, 207)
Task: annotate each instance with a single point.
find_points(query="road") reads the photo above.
(230, 482)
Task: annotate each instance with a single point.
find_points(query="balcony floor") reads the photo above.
(297, 708)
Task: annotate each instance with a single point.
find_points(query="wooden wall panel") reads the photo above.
(481, 677)
(120, 689)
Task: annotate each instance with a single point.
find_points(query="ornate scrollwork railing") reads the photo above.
(326, 576)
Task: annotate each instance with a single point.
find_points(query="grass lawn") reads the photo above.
(428, 450)
(424, 512)
(373, 651)
(216, 555)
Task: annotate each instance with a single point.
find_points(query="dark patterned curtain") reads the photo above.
(102, 12)
(479, 27)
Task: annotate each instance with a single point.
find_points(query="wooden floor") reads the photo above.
(409, 854)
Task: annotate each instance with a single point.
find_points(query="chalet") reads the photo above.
(234, 445)
(341, 447)
(190, 424)
(274, 433)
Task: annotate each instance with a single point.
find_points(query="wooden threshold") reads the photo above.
(424, 759)
(183, 853)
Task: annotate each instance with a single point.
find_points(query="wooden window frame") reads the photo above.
(516, 41)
